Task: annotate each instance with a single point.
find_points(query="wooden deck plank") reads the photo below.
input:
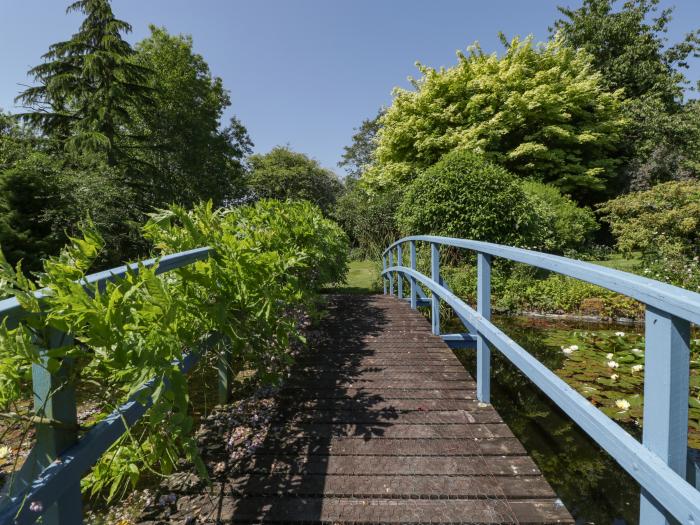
(380, 424)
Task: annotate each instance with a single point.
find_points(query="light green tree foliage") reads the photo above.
(560, 224)
(368, 218)
(464, 195)
(187, 156)
(285, 174)
(663, 222)
(269, 261)
(539, 110)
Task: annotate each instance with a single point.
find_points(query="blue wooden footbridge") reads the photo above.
(418, 469)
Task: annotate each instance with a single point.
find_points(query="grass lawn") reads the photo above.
(362, 278)
(626, 263)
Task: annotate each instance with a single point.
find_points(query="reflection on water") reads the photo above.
(590, 483)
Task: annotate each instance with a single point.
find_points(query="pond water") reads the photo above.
(590, 483)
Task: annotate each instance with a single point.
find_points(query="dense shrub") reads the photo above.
(464, 195)
(368, 218)
(540, 111)
(527, 289)
(663, 222)
(559, 223)
(268, 262)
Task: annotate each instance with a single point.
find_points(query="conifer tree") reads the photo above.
(88, 85)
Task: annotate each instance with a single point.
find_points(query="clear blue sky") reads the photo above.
(302, 72)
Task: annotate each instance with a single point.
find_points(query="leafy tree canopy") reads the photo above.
(359, 155)
(189, 158)
(629, 46)
(285, 174)
(541, 111)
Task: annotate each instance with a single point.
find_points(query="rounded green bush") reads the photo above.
(464, 195)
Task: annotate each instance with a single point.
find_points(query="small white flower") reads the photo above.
(622, 404)
(620, 334)
(36, 506)
(614, 377)
(574, 347)
(608, 356)
(636, 350)
(4, 452)
(568, 350)
(613, 364)
(637, 368)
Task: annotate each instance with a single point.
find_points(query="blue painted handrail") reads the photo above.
(52, 482)
(659, 463)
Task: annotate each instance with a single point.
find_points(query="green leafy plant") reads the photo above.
(467, 196)
(268, 262)
(541, 111)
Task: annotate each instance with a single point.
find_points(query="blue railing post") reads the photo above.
(435, 276)
(56, 428)
(384, 279)
(391, 274)
(399, 262)
(413, 279)
(483, 306)
(666, 383)
(224, 370)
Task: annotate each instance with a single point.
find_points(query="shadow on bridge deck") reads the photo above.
(379, 424)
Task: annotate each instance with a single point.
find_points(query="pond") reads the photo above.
(589, 482)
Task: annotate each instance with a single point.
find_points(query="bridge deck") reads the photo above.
(381, 425)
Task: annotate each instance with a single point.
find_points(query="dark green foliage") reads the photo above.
(360, 154)
(629, 46)
(284, 174)
(368, 218)
(463, 195)
(559, 223)
(88, 85)
(26, 190)
(188, 157)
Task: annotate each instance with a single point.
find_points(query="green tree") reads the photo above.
(189, 158)
(629, 46)
(367, 218)
(285, 174)
(359, 155)
(88, 85)
(541, 111)
(464, 195)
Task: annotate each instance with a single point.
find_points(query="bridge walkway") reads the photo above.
(381, 425)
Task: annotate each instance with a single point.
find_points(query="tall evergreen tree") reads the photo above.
(87, 85)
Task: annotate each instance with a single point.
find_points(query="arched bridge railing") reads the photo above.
(659, 463)
(48, 484)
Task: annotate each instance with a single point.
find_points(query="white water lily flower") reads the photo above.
(608, 356)
(4, 452)
(614, 377)
(613, 364)
(568, 350)
(637, 368)
(574, 347)
(622, 404)
(636, 350)
(620, 334)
